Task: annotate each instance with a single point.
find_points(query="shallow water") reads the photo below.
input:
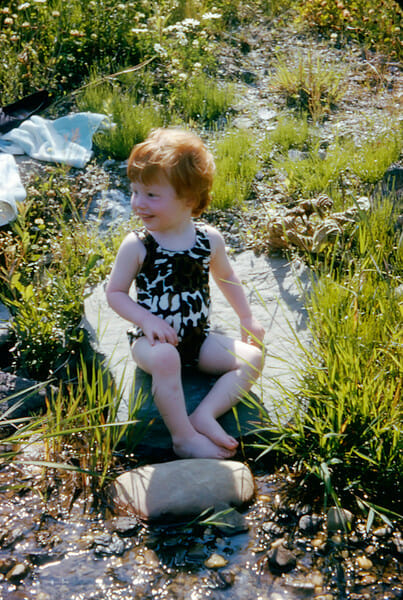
(67, 553)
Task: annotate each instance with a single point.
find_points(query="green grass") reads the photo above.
(310, 86)
(236, 164)
(347, 407)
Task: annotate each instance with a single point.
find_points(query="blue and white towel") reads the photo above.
(67, 140)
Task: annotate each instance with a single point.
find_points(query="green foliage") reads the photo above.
(348, 402)
(201, 99)
(378, 26)
(315, 173)
(373, 158)
(290, 133)
(310, 86)
(236, 164)
(48, 263)
(53, 43)
(130, 122)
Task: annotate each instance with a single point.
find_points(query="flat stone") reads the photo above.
(275, 289)
(181, 488)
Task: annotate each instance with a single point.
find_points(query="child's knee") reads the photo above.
(166, 359)
(256, 359)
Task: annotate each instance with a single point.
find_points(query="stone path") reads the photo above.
(275, 289)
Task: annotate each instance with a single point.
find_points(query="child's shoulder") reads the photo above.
(215, 237)
(133, 243)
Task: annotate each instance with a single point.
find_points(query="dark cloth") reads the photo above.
(14, 114)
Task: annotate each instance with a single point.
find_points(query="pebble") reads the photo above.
(338, 518)
(215, 561)
(281, 559)
(310, 524)
(18, 572)
(364, 563)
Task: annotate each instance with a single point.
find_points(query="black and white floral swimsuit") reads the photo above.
(174, 285)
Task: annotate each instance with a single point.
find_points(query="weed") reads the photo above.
(202, 100)
(237, 164)
(347, 409)
(310, 86)
(131, 122)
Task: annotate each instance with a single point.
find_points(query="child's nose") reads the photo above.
(136, 200)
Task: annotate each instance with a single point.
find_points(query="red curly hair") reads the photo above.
(184, 160)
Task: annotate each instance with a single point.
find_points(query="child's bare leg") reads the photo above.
(241, 365)
(162, 361)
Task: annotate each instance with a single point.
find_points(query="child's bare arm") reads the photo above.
(231, 286)
(127, 265)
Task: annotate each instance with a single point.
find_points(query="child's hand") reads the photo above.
(252, 331)
(156, 329)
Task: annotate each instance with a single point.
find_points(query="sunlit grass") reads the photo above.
(237, 164)
(347, 412)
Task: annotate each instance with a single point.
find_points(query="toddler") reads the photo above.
(172, 174)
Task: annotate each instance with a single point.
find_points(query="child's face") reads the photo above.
(158, 205)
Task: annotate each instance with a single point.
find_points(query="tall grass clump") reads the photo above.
(202, 100)
(130, 122)
(372, 159)
(81, 416)
(315, 173)
(50, 258)
(236, 166)
(347, 411)
(310, 86)
(290, 133)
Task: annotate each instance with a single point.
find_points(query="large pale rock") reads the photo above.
(182, 488)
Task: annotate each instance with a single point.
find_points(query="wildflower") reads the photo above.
(5, 11)
(8, 21)
(190, 23)
(138, 30)
(25, 24)
(195, 43)
(24, 5)
(76, 33)
(160, 50)
(182, 76)
(211, 15)
(55, 13)
(40, 1)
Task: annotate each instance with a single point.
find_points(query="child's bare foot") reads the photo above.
(209, 426)
(200, 446)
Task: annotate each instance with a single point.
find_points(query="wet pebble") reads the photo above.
(126, 526)
(272, 528)
(310, 524)
(106, 545)
(215, 561)
(281, 559)
(364, 563)
(18, 572)
(339, 518)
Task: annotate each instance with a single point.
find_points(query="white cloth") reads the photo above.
(11, 188)
(67, 140)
